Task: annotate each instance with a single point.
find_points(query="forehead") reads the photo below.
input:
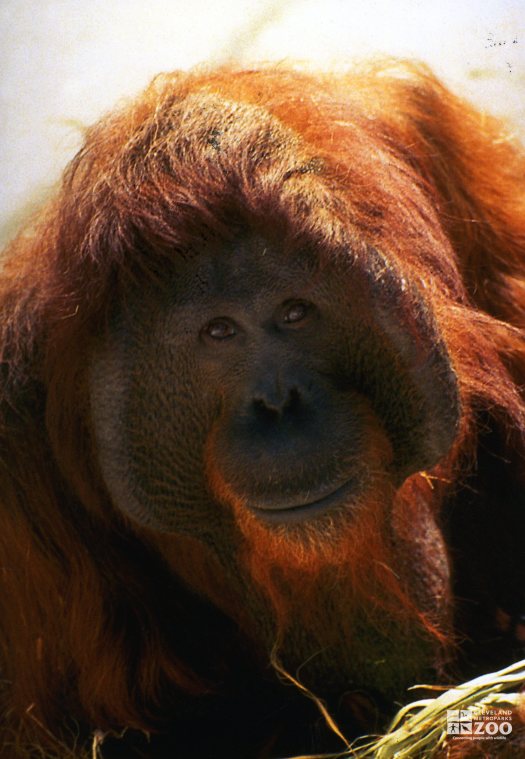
(240, 268)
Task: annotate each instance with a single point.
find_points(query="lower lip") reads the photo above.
(307, 511)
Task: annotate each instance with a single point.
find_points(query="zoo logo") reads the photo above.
(479, 724)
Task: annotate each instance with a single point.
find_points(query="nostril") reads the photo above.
(277, 404)
(264, 411)
(294, 399)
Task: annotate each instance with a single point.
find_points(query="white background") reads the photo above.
(65, 62)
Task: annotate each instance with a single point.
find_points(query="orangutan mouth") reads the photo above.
(293, 513)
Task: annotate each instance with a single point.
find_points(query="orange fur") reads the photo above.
(406, 167)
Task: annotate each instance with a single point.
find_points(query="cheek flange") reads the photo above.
(402, 365)
(149, 443)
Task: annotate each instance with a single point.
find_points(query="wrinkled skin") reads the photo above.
(255, 389)
(268, 372)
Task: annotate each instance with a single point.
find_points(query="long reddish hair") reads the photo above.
(386, 152)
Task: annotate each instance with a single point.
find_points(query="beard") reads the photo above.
(358, 598)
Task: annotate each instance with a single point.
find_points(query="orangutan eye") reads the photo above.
(296, 311)
(219, 329)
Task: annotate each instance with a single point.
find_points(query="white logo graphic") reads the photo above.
(479, 724)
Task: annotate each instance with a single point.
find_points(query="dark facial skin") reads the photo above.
(252, 378)
(237, 356)
(265, 342)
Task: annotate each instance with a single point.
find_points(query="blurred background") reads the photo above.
(63, 63)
